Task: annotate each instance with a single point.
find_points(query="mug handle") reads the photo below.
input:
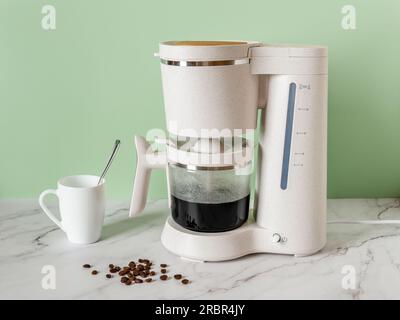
(47, 210)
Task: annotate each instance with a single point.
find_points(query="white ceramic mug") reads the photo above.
(82, 207)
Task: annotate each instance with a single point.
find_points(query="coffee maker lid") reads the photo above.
(289, 51)
(205, 50)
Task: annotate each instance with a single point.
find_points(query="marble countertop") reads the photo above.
(358, 262)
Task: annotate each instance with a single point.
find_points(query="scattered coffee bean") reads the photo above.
(123, 272)
(130, 274)
(140, 267)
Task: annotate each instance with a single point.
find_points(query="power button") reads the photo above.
(276, 238)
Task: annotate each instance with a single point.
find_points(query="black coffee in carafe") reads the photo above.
(209, 200)
(210, 217)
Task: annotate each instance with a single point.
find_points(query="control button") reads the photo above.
(276, 238)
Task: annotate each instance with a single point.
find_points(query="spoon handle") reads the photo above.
(113, 154)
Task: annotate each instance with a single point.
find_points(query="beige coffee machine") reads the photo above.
(213, 93)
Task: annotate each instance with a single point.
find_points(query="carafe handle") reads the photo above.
(146, 161)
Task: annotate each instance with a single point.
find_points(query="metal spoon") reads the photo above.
(113, 154)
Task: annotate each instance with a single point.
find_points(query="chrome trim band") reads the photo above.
(192, 167)
(182, 63)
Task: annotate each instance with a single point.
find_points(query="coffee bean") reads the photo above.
(164, 277)
(129, 282)
(123, 272)
(140, 267)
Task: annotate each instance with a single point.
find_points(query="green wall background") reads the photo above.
(66, 94)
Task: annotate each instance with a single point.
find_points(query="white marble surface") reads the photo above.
(29, 240)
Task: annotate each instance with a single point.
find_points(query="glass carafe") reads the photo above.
(209, 199)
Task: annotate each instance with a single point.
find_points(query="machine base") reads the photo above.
(221, 246)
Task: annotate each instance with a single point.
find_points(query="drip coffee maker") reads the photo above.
(213, 93)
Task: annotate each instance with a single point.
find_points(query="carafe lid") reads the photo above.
(210, 154)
